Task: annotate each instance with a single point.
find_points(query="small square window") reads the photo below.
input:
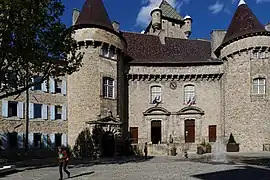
(37, 140)
(37, 110)
(58, 112)
(12, 108)
(58, 86)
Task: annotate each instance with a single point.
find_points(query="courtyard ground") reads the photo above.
(245, 166)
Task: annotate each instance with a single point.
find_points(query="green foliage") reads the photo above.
(34, 42)
(231, 139)
(84, 145)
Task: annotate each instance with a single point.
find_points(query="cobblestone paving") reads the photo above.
(158, 168)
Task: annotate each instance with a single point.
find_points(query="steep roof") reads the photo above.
(147, 49)
(168, 11)
(94, 13)
(243, 22)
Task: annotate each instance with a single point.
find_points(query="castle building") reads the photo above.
(158, 86)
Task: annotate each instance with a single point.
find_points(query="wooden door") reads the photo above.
(189, 131)
(212, 133)
(134, 135)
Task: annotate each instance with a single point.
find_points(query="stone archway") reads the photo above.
(108, 144)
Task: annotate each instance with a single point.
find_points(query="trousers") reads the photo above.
(63, 165)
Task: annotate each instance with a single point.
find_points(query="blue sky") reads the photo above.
(133, 15)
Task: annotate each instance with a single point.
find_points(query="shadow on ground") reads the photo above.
(31, 164)
(244, 172)
(82, 174)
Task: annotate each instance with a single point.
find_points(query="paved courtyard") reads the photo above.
(158, 168)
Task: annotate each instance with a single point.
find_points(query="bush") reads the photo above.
(231, 139)
(84, 145)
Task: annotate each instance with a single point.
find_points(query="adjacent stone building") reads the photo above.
(160, 86)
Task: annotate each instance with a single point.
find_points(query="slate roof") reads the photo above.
(168, 11)
(94, 13)
(243, 22)
(147, 49)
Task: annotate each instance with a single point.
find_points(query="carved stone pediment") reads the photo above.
(157, 111)
(109, 120)
(190, 110)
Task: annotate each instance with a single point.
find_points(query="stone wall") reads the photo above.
(208, 99)
(246, 114)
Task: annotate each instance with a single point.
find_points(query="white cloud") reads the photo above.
(143, 17)
(216, 8)
(261, 1)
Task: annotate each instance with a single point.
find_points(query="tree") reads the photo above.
(34, 42)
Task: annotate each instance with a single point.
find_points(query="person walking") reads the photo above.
(63, 159)
(145, 150)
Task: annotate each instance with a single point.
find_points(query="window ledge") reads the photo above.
(107, 98)
(107, 58)
(13, 118)
(37, 119)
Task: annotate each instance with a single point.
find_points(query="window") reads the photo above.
(12, 108)
(37, 79)
(13, 140)
(173, 24)
(108, 87)
(259, 55)
(58, 140)
(156, 92)
(105, 51)
(37, 110)
(58, 86)
(37, 140)
(134, 135)
(58, 112)
(189, 94)
(259, 86)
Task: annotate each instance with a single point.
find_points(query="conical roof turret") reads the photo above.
(243, 22)
(94, 13)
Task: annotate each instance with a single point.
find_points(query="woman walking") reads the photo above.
(63, 162)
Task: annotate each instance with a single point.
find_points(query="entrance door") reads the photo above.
(108, 144)
(189, 131)
(156, 131)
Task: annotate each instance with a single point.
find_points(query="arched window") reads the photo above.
(156, 93)
(259, 86)
(189, 94)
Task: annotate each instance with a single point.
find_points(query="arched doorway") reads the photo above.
(108, 144)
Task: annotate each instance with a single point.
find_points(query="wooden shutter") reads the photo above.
(64, 113)
(134, 135)
(4, 138)
(44, 111)
(4, 108)
(20, 140)
(20, 110)
(52, 85)
(31, 139)
(64, 87)
(44, 86)
(52, 112)
(64, 139)
(44, 140)
(52, 141)
(31, 110)
(212, 133)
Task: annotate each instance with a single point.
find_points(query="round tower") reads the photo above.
(156, 18)
(93, 91)
(244, 84)
(188, 25)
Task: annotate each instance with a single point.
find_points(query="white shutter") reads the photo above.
(4, 138)
(4, 108)
(20, 140)
(52, 112)
(32, 81)
(52, 85)
(64, 139)
(31, 139)
(31, 110)
(64, 113)
(20, 110)
(44, 86)
(52, 139)
(64, 87)
(44, 140)
(44, 111)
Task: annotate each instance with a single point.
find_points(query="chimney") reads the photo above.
(116, 26)
(217, 37)
(75, 15)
